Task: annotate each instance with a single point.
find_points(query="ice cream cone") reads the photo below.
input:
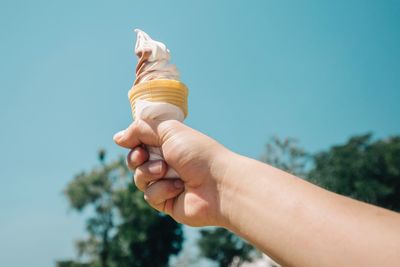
(162, 90)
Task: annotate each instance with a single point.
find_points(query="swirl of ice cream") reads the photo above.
(153, 63)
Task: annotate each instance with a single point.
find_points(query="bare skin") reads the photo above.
(291, 220)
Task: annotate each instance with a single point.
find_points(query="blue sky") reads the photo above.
(319, 71)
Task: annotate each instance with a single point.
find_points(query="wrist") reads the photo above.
(229, 166)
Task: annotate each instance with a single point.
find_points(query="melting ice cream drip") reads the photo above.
(153, 60)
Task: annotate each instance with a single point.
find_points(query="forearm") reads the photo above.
(300, 224)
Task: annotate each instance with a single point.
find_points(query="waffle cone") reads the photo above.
(166, 91)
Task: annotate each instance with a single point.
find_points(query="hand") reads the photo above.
(195, 199)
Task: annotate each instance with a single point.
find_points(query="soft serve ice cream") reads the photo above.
(153, 60)
(157, 92)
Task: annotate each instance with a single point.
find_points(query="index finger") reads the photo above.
(139, 132)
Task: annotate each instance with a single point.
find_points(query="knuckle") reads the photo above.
(123, 140)
(135, 158)
(154, 193)
(129, 161)
(149, 199)
(137, 126)
(139, 175)
(152, 170)
(140, 172)
(166, 128)
(136, 181)
(146, 198)
(140, 183)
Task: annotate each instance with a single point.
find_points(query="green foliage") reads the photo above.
(224, 247)
(123, 230)
(148, 235)
(72, 264)
(363, 169)
(286, 155)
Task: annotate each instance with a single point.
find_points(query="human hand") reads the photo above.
(256, 201)
(195, 198)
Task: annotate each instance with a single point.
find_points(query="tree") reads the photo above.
(286, 155)
(145, 237)
(224, 247)
(72, 264)
(123, 230)
(362, 168)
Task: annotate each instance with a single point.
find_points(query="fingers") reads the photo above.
(136, 157)
(145, 172)
(159, 194)
(139, 132)
(149, 172)
(151, 132)
(162, 192)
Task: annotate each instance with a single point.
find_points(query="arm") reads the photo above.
(293, 221)
(300, 224)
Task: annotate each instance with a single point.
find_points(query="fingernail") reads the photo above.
(118, 135)
(155, 167)
(178, 184)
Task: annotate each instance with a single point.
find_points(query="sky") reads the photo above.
(319, 71)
